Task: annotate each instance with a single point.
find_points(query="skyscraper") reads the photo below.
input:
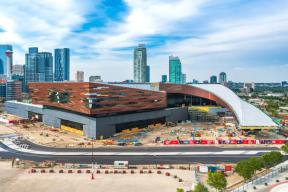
(148, 73)
(164, 79)
(38, 66)
(213, 79)
(17, 69)
(13, 90)
(222, 78)
(6, 60)
(140, 63)
(175, 72)
(183, 78)
(79, 76)
(62, 64)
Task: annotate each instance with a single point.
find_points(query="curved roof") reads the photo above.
(246, 113)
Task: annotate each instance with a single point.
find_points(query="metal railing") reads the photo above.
(275, 171)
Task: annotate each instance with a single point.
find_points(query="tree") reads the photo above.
(200, 188)
(256, 163)
(272, 158)
(285, 148)
(217, 180)
(245, 169)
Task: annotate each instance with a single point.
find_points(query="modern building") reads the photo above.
(95, 78)
(13, 90)
(164, 78)
(102, 109)
(175, 71)
(222, 78)
(3, 85)
(17, 69)
(38, 66)
(140, 64)
(284, 84)
(147, 73)
(62, 64)
(183, 78)
(213, 79)
(79, 76)
(195, 81)
(6, 60)
(20, 78)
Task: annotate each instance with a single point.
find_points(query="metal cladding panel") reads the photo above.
(190, 90)
(246, 114)
(95, 98)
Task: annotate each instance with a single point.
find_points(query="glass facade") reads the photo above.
(175, 71)
(222, 78)
(164, 79)
(213, 79)
(62, 64)
(140, 64)
(38, 67)
(147, 73)
(3, 59)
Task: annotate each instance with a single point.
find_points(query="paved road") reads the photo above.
(179, 148)
(7, 152)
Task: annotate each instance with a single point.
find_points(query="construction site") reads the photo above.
(205, 123)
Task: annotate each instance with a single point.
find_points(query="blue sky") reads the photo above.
(246, 38)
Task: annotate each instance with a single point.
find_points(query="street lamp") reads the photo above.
(92, 158)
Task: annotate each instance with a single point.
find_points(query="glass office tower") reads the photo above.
(148, 73)
(38, 67)
(222, 78)
(213, 79)
(175, 71)
(140, 64)
(62, 64)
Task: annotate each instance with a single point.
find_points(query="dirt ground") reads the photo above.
(16, 179)
(54, 137)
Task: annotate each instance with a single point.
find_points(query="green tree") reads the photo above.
(200, 188)
(217, 180)
(245, 169)
(272, 158)
(285, 148)
(256, 163)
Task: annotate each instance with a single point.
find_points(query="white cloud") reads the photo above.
(227, 41)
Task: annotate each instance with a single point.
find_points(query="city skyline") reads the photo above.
(209, 37)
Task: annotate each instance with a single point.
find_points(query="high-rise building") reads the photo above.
(6, 60)
(17, 69)
(147, 73)
(164, 79)
(17, 77)
(284, 84)
(222, 78)
(38, 67)
(183, 78)
(62, 64)
(79, 76)
(13, 90)
(175, 71)
(213, 79)
(140, 63)
(95, 78)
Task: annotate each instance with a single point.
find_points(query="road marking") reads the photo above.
(13, 146)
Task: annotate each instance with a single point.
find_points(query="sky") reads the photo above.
(248, 39)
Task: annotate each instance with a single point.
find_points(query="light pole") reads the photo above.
(92, 158)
